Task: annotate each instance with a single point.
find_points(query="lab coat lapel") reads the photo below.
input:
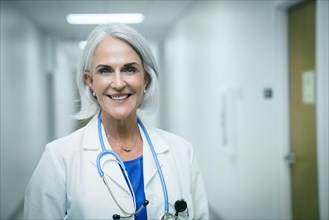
(91, 145)
(160, 148)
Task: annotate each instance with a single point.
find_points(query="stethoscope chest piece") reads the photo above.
(168, 216)
(180, 206)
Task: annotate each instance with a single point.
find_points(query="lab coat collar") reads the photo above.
(90, 142)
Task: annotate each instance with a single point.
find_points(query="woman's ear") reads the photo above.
(89, 80)
(147, 80)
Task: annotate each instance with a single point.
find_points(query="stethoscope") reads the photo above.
(180, 205)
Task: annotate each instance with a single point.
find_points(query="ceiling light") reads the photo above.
(127, 18)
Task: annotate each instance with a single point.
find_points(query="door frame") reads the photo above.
(322, 91)
(282, 68)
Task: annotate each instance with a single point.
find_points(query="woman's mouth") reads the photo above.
(119, 97)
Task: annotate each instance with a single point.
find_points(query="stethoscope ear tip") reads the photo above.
(146, 202)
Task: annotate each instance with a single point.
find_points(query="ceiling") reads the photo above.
(50, 15)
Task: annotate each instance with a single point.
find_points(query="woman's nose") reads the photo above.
(118, 82)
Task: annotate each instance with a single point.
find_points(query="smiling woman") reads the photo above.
(137, 166)
(136, 44)
(117, 79)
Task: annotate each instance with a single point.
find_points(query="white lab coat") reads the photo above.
(66, 183)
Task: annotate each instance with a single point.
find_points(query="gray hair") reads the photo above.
(88, 104)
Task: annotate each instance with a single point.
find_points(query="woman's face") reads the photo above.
(117, 77)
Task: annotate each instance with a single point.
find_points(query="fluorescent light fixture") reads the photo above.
(82, 44)
(127, 18)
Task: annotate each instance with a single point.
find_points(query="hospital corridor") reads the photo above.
(245, 82)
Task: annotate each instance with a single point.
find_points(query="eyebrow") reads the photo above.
(108, 66)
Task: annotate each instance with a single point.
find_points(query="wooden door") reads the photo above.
(302, 110)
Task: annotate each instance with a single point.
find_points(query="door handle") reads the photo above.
(290, 158)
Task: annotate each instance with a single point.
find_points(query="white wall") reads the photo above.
(24, 128)
(65, 89)
(37, 93)
(229, 49)
(219, 58)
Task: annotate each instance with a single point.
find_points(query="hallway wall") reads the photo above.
(24, 128)
(37, 92)
(220, 58)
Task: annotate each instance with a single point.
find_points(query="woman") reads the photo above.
(117, 75)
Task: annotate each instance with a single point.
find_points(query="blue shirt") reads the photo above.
(135, 173)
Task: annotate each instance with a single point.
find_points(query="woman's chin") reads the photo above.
(122, 114)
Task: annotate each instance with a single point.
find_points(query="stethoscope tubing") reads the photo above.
(106, 152)
(163, 182)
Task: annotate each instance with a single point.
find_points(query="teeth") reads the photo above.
(119, 97)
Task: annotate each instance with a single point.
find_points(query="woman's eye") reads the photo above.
(130, 70)
(104, 70)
